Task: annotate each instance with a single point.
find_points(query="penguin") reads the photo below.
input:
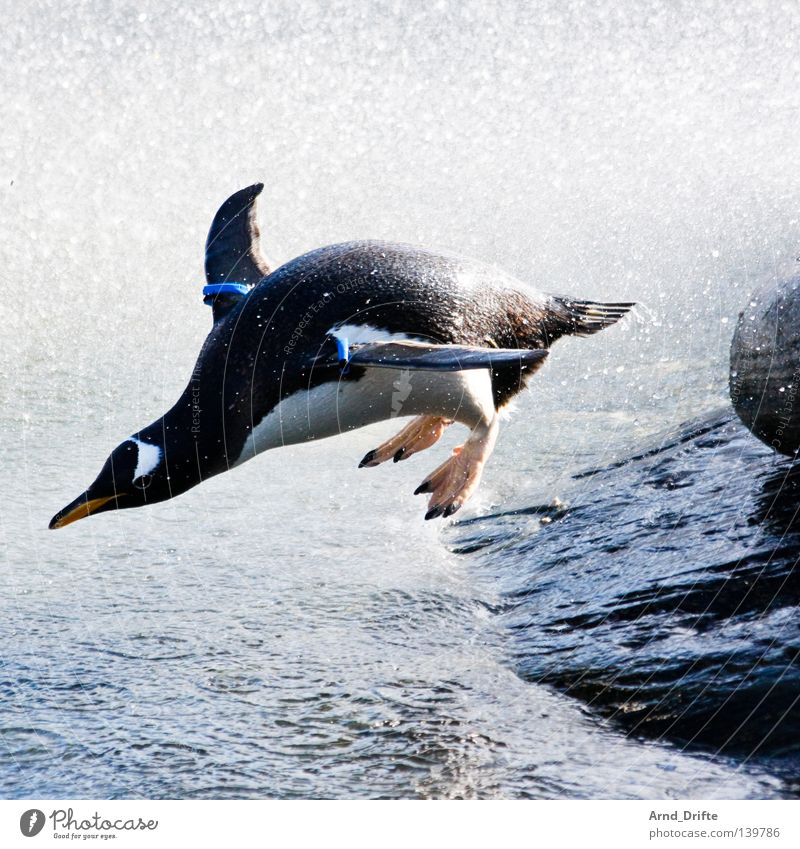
(339, 338)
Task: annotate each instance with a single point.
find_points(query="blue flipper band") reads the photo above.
(343, 352)
(225, 289)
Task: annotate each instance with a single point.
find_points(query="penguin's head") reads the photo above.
(134, 475)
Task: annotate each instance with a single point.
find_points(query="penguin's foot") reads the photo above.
(454, 482)
(416, 436)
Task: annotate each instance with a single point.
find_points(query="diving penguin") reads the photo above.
(336, 339)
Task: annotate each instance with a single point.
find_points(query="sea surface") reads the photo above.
(615, 614)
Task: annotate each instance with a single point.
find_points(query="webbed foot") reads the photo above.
(419, 434)
(455, 481)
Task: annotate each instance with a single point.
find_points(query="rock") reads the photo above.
(765, 365)
(666, 596)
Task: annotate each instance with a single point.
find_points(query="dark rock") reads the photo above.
(765, 365)
(665, 594)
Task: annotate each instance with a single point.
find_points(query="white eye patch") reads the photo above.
(148, 458)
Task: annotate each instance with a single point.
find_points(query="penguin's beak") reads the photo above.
(80, 508)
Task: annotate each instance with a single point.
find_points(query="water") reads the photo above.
(294, 628)
(681, 625)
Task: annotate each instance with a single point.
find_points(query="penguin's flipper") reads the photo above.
(423, 357)
(234, 262)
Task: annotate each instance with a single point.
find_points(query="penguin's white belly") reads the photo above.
(337, 407)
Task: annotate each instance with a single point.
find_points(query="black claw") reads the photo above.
(434, 513)
(452, 509)
(425, 486)
(399, 455)
(368, 458)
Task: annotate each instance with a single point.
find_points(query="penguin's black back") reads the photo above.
(399, 288)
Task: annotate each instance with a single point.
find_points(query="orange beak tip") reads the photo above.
(78, 509)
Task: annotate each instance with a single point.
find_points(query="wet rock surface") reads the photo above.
(765, 364)
(664, 595)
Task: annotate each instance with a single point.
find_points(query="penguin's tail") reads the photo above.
(574, 317)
